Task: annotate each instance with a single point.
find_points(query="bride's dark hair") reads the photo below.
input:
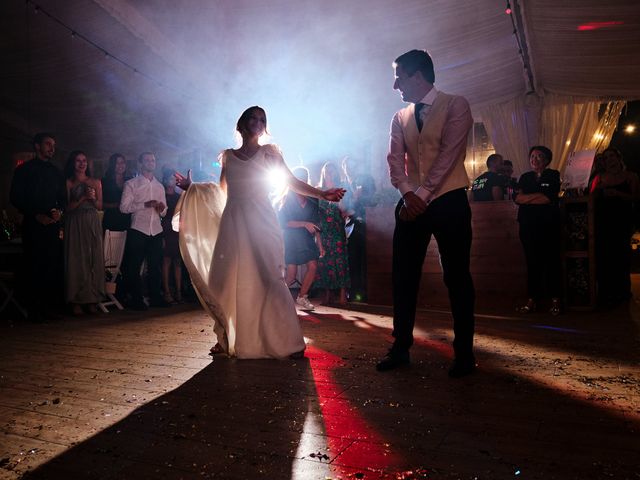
(242, 127)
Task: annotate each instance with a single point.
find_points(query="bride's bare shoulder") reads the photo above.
(272, 150)
(224, 154)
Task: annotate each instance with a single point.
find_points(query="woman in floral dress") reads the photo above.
(333, 267)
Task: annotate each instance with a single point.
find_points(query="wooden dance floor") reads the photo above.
(131, 396)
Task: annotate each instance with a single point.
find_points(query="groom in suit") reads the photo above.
(426, 164)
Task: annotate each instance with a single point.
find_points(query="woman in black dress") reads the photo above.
(171, 259)
(539, 217)
(299, 219)
(615, 189)
(114, 220)
(112, 184)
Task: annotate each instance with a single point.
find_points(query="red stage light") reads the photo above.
(597, 25)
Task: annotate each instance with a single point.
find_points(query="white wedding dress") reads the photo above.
(232, 247)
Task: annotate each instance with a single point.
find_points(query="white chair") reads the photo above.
(113, 252)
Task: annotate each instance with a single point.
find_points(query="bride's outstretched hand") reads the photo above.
(182, 181)
(334, 194)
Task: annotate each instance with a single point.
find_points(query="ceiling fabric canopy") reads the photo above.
(172, 76)
(585, 47)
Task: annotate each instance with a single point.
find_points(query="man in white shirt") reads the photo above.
(427, 147)
(144, 198)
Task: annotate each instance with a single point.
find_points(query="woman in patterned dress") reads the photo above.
(333, 267)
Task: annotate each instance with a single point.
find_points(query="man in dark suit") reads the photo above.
(38, 191)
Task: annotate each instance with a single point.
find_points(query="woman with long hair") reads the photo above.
(171, 261)
(83, 256)
(232, 245)
(333, 267)
(112, 185)
(615, 190)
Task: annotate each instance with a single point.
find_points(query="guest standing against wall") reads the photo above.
(171, 259)
(615, 190)
(491, 185)
(84, 274)
(143, 197)
(539, 219)
(361, 189)
(333, 267)
(38, 192)
(112, 185)
(299, 218)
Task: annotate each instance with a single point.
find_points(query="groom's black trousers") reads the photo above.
(448, 219)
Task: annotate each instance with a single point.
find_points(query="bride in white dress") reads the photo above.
(232, 245)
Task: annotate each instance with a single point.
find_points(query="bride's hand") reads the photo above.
(182, 181)
(334, 194)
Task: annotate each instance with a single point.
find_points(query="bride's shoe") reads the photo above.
(529, 307)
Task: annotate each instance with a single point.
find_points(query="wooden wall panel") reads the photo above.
(497, 261)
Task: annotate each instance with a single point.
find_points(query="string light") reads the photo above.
(521, 48)
(107, 55)
(508, 10)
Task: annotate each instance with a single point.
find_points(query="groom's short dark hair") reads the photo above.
(417, 61)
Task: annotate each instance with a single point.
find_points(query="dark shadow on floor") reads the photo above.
(227, 421)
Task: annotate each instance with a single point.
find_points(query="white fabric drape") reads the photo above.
(567, 124)
(512, 127)
(563, 123)
(607, 125)
(570, 124)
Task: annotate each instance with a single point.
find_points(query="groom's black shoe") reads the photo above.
(393, 359)
(462, 368)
